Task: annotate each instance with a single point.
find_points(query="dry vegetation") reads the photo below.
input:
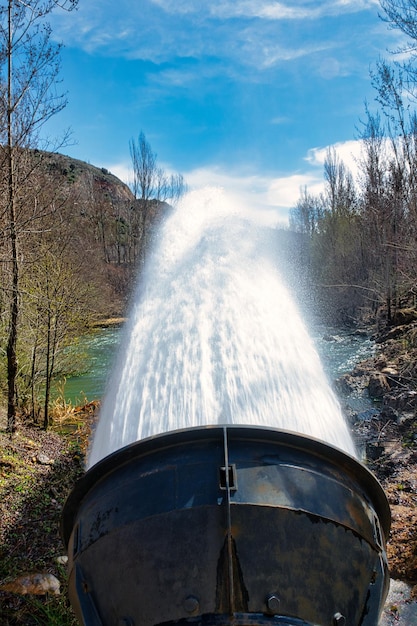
(390, 377)
(37, 471)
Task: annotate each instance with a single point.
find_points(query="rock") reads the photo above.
(406, 420)
(348, 383)
(62, 560)
(388, 413)
(404, 316)
(329, 338)
(404, 401)
(361, 332)
(44, 460)
(37, 583)
(381, 361)
(378, 385)
(364, 368)
(399, 609)
(389, 370)
(374, 451)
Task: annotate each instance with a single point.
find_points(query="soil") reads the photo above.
(38, 470)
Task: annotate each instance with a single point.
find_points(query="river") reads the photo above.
(98, 350)
(339, 351)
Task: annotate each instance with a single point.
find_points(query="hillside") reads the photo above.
(73, 240)
(89, 180)
(109, 229)
(95, 200)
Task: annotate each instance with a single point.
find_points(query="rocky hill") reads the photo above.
(90, 182)
(109, 228)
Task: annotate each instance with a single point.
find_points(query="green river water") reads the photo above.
(98, 350)
(339, 351)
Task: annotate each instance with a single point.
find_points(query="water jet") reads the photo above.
(214, 337)
(223, 486)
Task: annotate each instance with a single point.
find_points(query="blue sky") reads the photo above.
(245, 94)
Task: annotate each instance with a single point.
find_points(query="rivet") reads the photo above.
(339, 619)
(273, 602)
(191, 604)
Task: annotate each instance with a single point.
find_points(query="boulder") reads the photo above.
(378, 385)
(405, 400)
(404, 316)
(37, 583)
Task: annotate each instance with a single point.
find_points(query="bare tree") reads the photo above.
(304, 217)
(56, 303)
(144, 167)
(151, 186)
(29, 71)
(402, 14)
(389, 174)
(332, 222)
(340, 194)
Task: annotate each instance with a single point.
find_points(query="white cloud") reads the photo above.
(277, 193)
(179, 6)
(122, 170)
(245, 32)
(348, 151)
(264, 9)
(286, 189)
(254, 8)
(270, 196)
(270, 55)
(329, 68)
(280, 119)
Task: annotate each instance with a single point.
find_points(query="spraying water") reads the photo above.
(215, 338)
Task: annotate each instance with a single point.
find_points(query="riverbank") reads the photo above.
(389, 434)
(108, 322)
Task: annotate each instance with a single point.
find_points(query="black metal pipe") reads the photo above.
(227, 524)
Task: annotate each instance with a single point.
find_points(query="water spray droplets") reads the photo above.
(215, 338)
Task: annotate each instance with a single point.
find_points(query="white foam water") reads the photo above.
(214, 337)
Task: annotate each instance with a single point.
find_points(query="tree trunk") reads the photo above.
(47, 377)
(14, 303)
